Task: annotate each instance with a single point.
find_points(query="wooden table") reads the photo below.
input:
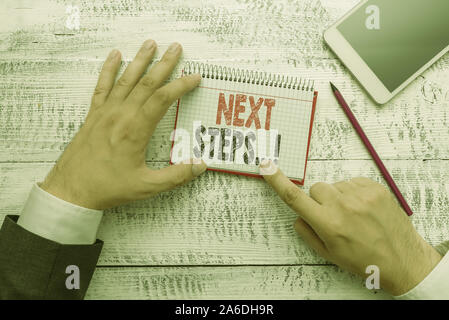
(222, 236)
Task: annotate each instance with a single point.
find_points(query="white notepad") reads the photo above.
(236, 118)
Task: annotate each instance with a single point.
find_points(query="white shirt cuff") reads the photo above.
(58, 220)
(434, 286)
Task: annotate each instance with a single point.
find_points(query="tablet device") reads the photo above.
(386, 44)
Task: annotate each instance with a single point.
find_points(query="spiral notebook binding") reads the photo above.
(212, 71)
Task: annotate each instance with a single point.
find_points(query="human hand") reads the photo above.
(355, 224)
(104, 165)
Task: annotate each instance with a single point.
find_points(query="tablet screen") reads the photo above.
(398, 39)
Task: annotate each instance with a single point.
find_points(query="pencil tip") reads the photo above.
(334, 88)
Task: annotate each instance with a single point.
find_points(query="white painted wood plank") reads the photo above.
(42, 106)
(217, 283)
(48, 73)
(238, 24)
(224, 219)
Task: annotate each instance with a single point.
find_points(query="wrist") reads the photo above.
(416, 268)
(57, 186)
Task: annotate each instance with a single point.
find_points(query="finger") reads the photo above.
(106, 78)
(155, 78)
(174, 175)
(294, 197)
(363, 182)
(310, 237)
(323, 192)
(345, 186)
(134, 71)
(156, 107)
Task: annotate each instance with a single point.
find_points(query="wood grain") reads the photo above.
(224, 219)
(231, 237)
(42, 105)
(247, 282)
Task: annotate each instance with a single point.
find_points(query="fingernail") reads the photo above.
(149, 44)
(265, 163)
(113, 54)
(267, 167)
(198, 169)
(174, 47)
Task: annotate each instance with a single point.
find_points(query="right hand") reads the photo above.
(355, 224)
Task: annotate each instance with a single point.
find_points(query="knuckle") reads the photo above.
(336, 228)
(375, 194)
(118, 137)
(291, 195)
(111, 118)
(369, 199)
(148, 82)
(127, 130)
(333, 232)
(363, 181)
(123, 82)
(162, 96)
(100, 90)
(349, 204)
(125, 133)
(315, 188)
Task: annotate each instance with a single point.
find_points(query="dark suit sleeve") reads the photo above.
(32, 267)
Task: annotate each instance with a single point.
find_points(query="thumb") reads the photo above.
(178, 174)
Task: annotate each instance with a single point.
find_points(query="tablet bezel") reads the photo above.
(361, 71)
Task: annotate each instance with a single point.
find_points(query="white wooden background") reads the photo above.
(222, 236)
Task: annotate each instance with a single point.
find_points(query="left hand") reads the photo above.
(104, 165)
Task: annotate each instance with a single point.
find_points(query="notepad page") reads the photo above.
(287, 111)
